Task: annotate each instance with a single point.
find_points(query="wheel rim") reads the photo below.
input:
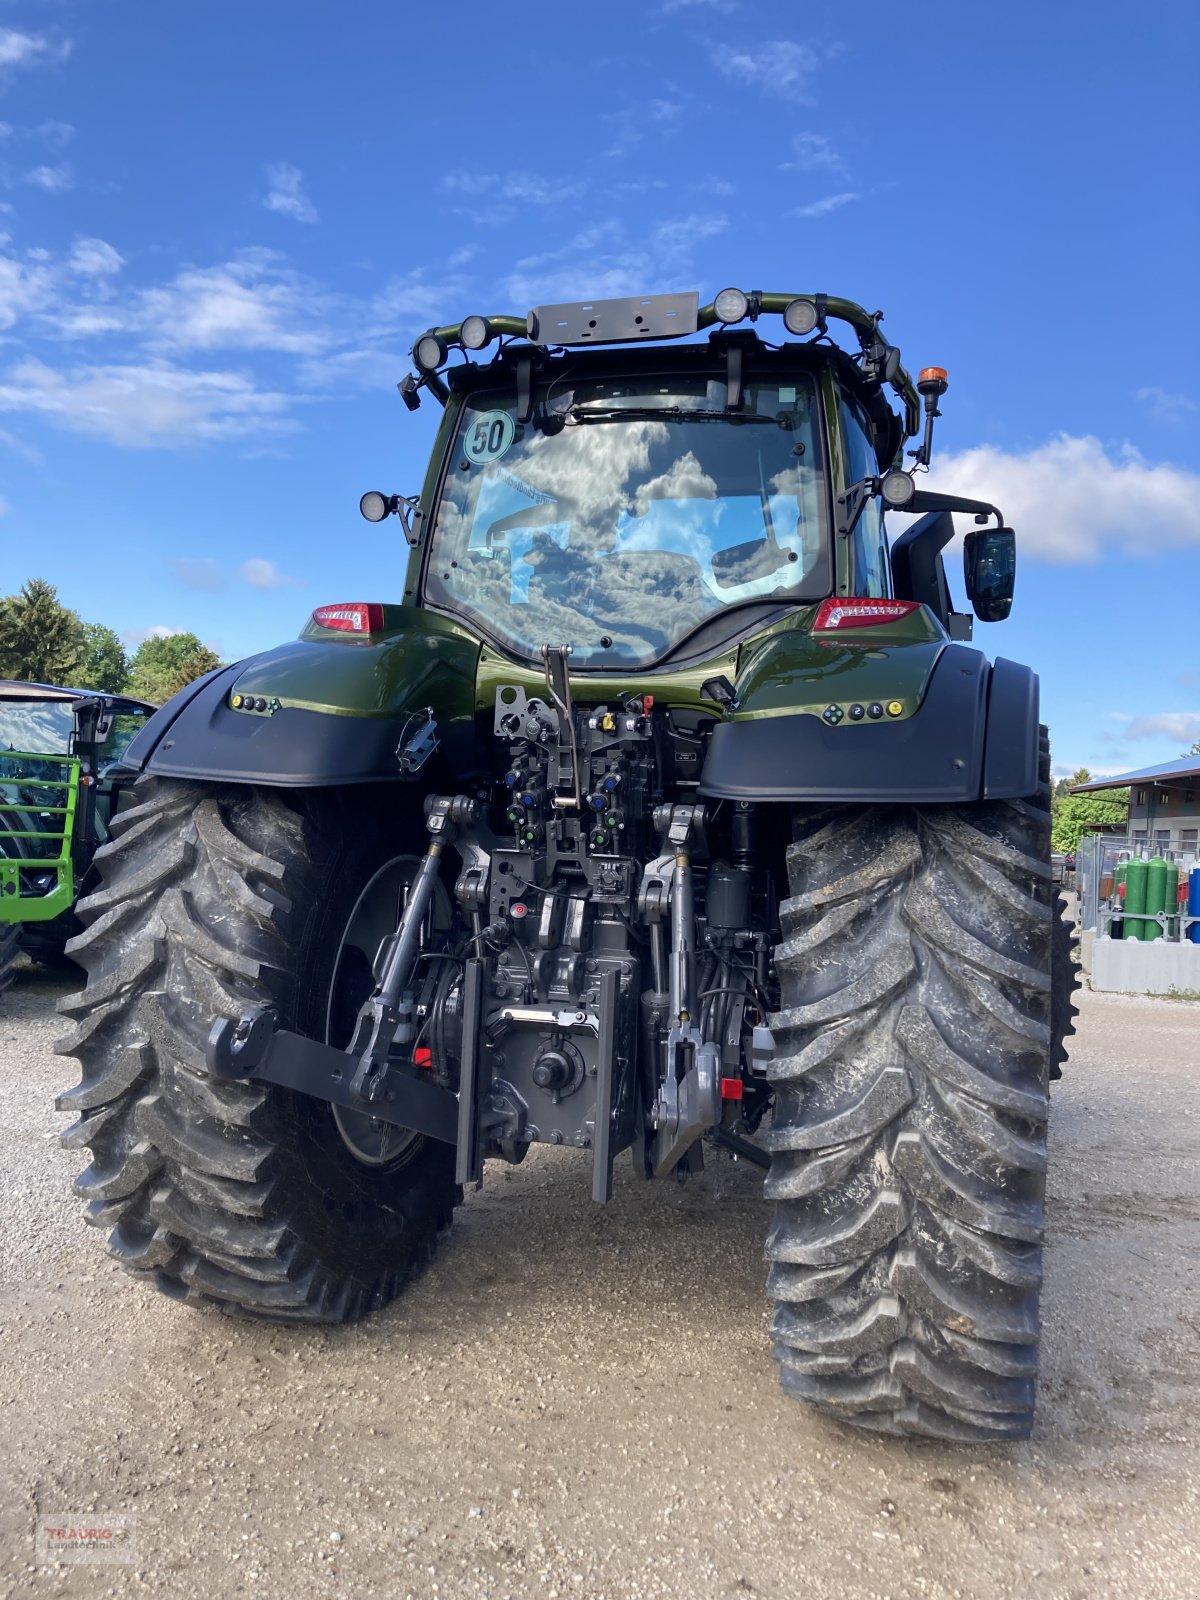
(373, 918)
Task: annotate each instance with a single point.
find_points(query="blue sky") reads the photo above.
(226, 223)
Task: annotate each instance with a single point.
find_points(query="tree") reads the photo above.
(1080, 775)
(161, 667)
(1073, 814)
(41, 641)
(105, 664)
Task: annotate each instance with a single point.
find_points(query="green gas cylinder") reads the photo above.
(1162, 887)
(1135, 896)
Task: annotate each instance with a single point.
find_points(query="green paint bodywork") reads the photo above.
(421, 659)
(426, 660)
(787, 670)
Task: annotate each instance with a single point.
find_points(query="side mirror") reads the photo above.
(990, 570)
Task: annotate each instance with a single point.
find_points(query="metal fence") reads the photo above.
(1097, 857)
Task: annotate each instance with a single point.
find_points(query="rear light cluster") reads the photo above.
(354, 616)
(853, 612)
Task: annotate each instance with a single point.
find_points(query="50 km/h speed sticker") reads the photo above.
(489, 437)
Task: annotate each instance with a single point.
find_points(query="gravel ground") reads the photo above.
(581, 1402)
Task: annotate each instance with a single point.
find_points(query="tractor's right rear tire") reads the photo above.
(909, 1134)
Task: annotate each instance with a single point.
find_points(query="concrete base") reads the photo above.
(1128, 966)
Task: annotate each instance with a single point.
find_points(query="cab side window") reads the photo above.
(872, 576)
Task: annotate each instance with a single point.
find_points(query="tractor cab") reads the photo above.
(653, 504)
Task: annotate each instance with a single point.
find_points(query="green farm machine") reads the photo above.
(664, 810)
(60, 774)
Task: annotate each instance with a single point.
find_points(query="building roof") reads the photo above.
(1185, 767)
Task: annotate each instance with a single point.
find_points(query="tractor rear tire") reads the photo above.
(1064, 974)
(241, 1196)
(10, 942)
(908, 1145)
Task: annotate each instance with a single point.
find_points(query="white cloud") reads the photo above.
(368, 367)
(780, 67)
(604, 260)
(54, 133)
(154, 405)
(54, 180)
(246, 304)
(19, 447)
(657, 118)
(414, 300)
(1070, 500)
(822, 208)
(526, 188)
(286, 193)
(197, 572)
(252, 303)
(1183, 726)
(86, 322)
(94, 258)
(812, 152)
(262, 574)
(25, 287)
(156, 630)
(1165, 407)
(498, 197)
(19, 49)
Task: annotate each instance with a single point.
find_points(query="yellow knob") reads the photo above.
(236, 702)
(895, 707)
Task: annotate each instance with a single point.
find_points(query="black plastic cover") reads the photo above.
(975, 735)
(199, 736)
(1010, 762)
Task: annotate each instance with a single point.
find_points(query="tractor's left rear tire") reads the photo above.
(238, 1195)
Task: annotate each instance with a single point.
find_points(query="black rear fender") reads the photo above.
(974, 737)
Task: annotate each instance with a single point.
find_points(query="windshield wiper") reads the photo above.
(661, 414)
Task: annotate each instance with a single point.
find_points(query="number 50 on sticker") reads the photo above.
(489, 437)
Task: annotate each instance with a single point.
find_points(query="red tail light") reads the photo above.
(854, 611)
(353, 616)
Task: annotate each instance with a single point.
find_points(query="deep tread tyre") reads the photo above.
(908, 1145)
(10, 941)
(1064, 972)
(230, 1194)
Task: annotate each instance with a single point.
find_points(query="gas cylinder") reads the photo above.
(1135, 896)
(1171, 898)
(1116, 927)
(1156, 894)
(1193, 903)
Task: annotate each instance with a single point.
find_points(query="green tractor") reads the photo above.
(60, 771)
(666, 810)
